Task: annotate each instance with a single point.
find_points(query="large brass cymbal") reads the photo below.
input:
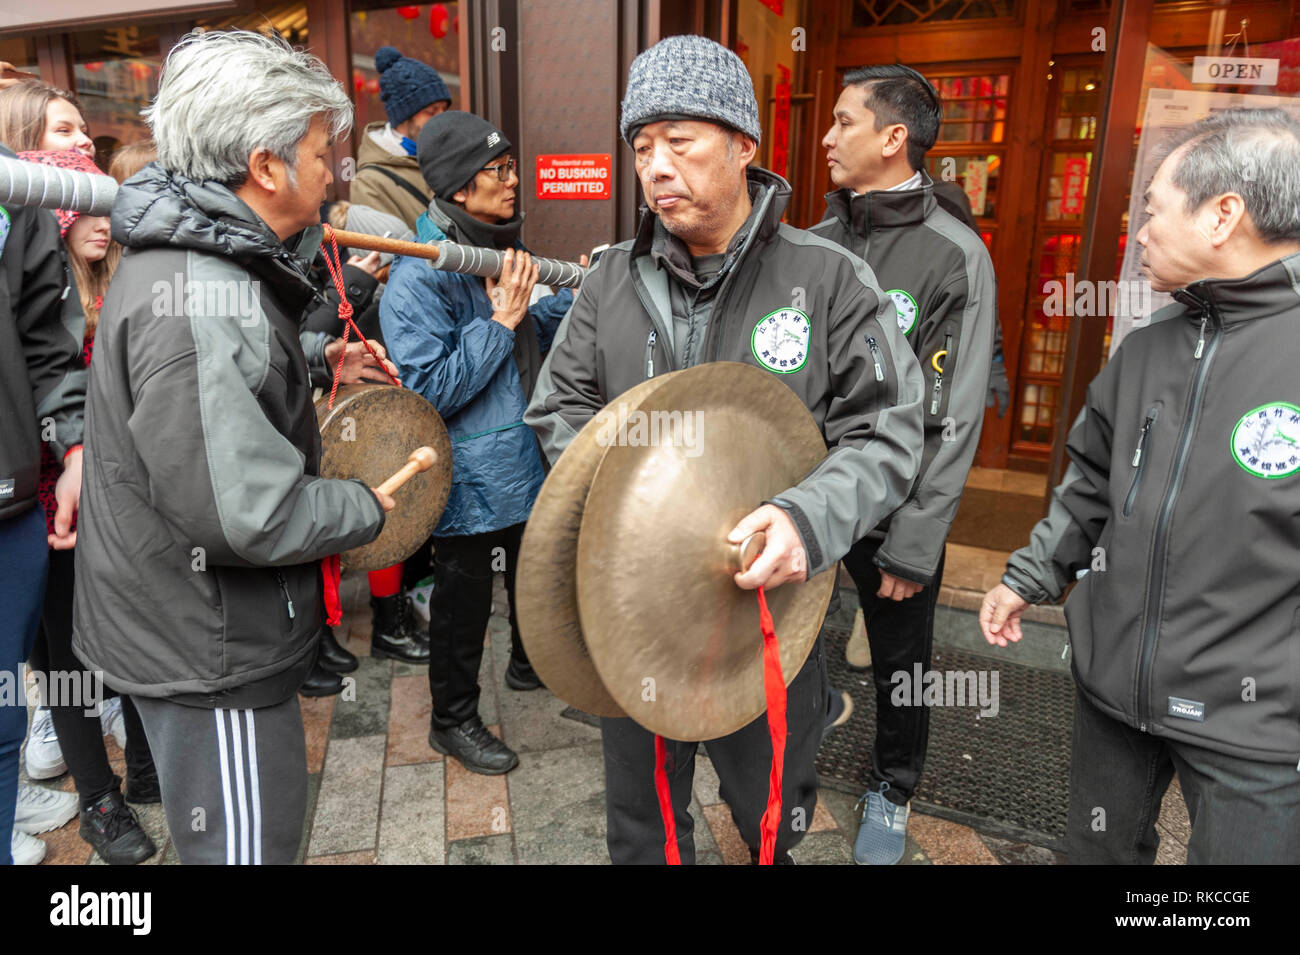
(676, 643)
(546, 593)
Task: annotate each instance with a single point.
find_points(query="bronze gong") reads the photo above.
(676, 643)
(546, 592)
(369, 434)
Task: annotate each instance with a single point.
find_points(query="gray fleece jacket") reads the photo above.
(784, 300)
(945, 295)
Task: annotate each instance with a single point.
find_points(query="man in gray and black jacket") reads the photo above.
(203, 516)
(941, 279)
(1178, 516)
(710, 264)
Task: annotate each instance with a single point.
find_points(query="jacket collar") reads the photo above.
(160, 208)
(1268, 291)
(882, 208)
(769, 194)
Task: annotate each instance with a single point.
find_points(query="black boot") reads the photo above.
(393, 634)
(321, 682)
(113, 830)
(332, 656)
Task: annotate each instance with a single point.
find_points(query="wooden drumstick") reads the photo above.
(421, 459)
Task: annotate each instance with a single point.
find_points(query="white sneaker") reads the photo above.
(40, 809)
(110, 717)
(44, 755)
(26, 850)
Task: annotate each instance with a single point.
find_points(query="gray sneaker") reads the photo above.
(39, 809)
(882, 837)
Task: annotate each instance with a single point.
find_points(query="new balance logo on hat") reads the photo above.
(493, 139)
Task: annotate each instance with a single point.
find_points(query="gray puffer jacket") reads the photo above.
(202, 516)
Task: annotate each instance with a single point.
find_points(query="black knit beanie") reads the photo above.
(453, 147)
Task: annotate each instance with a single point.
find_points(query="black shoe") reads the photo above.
(522, 676)
(321, 682)
(112, 829)
(332, 656)
(143, 788)
(477, 749)
(393, 633)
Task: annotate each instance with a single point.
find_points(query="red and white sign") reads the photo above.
(1073, 186)
(574, 176)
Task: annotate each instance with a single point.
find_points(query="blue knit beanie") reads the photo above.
(689, 76)
(406, 85)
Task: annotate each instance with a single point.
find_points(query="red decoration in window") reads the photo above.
(781, 123)
(94, 67)
(438, 16)
(776, 6)
(408, 13)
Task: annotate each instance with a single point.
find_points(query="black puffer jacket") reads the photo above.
(42, 378)
(202, 515)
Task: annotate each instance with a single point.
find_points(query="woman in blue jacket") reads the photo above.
(473, 348)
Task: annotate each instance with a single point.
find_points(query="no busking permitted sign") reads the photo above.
(573, 176)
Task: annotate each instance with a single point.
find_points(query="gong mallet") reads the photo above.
(421, 459)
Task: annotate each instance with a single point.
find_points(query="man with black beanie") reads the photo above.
(473, 348)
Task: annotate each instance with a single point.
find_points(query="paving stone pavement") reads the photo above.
(379, 795)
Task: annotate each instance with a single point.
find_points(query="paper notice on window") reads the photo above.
(1167, 112)
(977, 185)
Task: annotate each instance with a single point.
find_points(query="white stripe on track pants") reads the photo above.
(234, 782)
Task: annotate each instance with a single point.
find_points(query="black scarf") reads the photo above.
(470, 231)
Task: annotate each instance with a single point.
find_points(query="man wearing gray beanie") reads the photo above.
(713, 275)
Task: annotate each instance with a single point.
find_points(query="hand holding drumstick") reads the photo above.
(421, 459)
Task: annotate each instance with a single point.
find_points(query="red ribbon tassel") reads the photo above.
(332, 570)
(671, 854)
(774, 687)
(774, 691)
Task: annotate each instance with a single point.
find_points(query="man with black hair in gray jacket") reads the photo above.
(204, 517)
(1178, 518)
(941, 279)
(710, 264)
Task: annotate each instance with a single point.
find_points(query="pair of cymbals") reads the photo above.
(626, 597)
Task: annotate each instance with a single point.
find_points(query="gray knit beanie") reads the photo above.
(689, 76)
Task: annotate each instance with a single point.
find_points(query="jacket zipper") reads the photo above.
(284, 589)
(650, 354)
(938, 378)
(1155, 577)
(1139, 462)
(875, 358)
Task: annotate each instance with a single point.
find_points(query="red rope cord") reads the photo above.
(335, 267)
(671, 855)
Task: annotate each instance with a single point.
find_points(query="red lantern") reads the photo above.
(94, 67)
(373, 86)
(438, 20)
(408, 13)
(140, 70)
(358, 82)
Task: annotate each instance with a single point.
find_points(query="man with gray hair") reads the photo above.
(203, 517)
(1178, 517)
